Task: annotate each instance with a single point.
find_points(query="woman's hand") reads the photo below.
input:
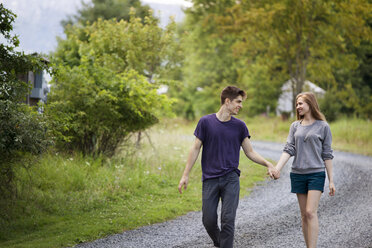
(277, 175)
(332, 189)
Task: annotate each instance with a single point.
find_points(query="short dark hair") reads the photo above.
(231, 92)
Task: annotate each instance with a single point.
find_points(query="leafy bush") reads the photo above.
(22, 130)
(330, 106)
(105, 83)
(23, 133)
(95, 113)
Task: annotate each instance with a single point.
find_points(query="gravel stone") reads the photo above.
(270, 215)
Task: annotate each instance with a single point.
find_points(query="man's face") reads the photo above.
(235, 105)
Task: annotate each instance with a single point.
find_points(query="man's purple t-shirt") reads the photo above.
(221, 144)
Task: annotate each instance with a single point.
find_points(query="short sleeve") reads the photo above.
(327, 152)
(290, 146)
(245, 133)
(200, 130)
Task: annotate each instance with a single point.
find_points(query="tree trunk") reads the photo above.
(138, 143)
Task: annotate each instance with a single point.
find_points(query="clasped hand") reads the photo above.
(273, 172)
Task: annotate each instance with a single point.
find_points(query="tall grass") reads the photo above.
(67, 199)
(351, 135)
(268, 129)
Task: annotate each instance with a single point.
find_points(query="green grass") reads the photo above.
(350, 135)
(64, 200)
(268, 129)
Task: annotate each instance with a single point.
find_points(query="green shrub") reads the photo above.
(94, 114)
(22, 130)
(23, 134)
(105, 86)
(330, 106)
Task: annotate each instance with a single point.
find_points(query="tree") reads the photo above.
(353, 92)
(209, 63)
(22, 129)
(120, 46)
(107, 9)
(298, 40)
(108, 89)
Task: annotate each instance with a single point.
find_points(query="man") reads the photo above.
(221, 136)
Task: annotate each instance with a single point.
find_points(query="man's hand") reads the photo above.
(183, 182)
(193, 155)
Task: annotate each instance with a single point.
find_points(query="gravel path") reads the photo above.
(270, 216)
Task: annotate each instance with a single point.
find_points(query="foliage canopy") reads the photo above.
(107, 9)
(259, 45)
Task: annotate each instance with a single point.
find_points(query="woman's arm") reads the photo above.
(289, 148)
(282, 161)
(329, 168)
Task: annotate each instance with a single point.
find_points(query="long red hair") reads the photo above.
(310, 99)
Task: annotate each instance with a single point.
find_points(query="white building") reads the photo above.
(285, 101)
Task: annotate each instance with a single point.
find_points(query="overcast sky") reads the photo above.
(38, 21)
(178, 2)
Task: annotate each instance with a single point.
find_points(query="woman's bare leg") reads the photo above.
(312, 203)
(302, 202)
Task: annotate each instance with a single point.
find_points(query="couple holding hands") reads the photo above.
(221, 135)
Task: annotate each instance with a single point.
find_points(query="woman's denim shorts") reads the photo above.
(302, 183)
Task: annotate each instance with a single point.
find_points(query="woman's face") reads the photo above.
(302, 107)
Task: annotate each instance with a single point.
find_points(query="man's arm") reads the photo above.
(257, 158)
(193, 155)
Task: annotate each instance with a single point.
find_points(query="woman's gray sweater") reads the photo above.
(310, 145)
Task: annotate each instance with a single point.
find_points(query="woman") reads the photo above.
(309, 141)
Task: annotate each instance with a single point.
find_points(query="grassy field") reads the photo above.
(64, 200)
(350, 135)
(67, 199)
